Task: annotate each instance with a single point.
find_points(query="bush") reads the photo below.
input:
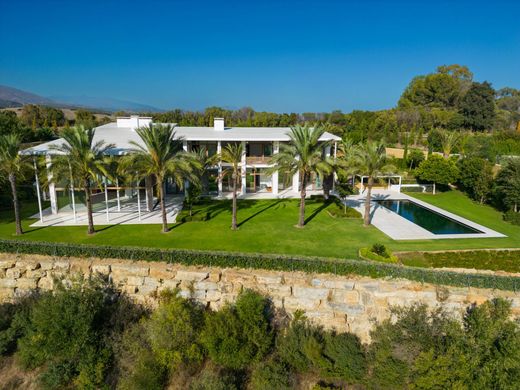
(513, 217)
(173, 330)
(213, 378)
(271, 374)
(380, 249)
(66, 332)
(239, 334)
(13, 321)
(340, 211)
(368, 253)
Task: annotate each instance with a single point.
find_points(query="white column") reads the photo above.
(106, 199)
(138, 201)
(335, 175)
(73, 195)
(186, 182)
(274, 177)
(52, 186)
(296, 183)
(118, 197)
(400, 182)
(38, 189)
(219, 151)
(243, 169)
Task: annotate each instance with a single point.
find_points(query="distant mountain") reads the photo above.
(12, 97)
(108, 104)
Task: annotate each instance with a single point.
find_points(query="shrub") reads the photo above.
(13, 322)
(512, 216)
(239, 334)
(368, 253)
(294, 342)
(271, 374)
(380, 249)
(213, 378)
(340, 211)
(67, 333)
(173, 330)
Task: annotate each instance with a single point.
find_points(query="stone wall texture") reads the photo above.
(345, 303)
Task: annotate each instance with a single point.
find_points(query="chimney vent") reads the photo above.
(218, 124)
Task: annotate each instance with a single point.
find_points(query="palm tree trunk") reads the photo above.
(88, 199)
(367, 201)
(234, 211)
(160, 189)
(16, 204)
(303, 188)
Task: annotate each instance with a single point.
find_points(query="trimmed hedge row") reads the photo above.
(264, 261)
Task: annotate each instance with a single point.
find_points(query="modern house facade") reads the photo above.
(259, 146)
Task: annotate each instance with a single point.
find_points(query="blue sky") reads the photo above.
(272, 55)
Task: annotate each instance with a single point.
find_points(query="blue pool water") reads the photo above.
(426, 218)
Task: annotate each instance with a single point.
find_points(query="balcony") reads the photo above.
(252, 160)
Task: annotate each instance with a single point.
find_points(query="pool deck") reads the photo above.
(399, 228)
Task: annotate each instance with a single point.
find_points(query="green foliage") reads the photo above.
(438, 170)
(66, 331)
(271, 374)
(336, 210)
(173, 330)
(85, 118)
(476, 178)
(512, 216)
(387, 257)
(478, 106)
(239, 334)
(508, 184)
(414, 158)
(13, 319)
(380, 249)
(212, 378)
(262, 261)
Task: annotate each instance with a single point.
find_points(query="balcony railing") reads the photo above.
(258, 159)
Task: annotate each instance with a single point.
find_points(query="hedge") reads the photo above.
(264, 261)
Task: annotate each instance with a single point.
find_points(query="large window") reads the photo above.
(258, 180)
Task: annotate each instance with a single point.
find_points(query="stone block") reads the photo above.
(61, 265)
(215, 276)
(121, 269)
(100, 269)
(339, 284)
(344, 296)
(191, 276)
(293, 303)
(310, 292)
(13, 273)
(269, 279)
(349, 310)
(161, 271)
(129, 289)
(7, 283)
(170, 284)
(6, 293)
(368, 286)
(26, 284)
(46, 283)
(80, 266)
(36, 273)
(7, 264)
(206, 286)
(213, 296)
(46, 264)
(279, 291)
(135, 280)
(147, 289)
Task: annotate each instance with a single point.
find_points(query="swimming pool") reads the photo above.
(428, 219)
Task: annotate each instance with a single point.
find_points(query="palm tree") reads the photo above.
(304, 155)
(369, 159)
(449, 141)
(232, 154)
(160, 155)
(83, 160)
(13, 166)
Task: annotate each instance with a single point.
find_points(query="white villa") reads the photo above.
(259, 145)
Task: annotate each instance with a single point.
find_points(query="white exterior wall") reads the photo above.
(134, 121)
(219, 151)
(52, 187)
(243, 170)
(274, 178)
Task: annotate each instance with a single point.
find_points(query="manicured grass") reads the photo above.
(268, 226)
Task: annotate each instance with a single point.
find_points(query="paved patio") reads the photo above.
(127, 214)
(399, 228)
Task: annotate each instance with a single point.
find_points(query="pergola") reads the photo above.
(389, 177)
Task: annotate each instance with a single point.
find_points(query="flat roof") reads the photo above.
(121, 136)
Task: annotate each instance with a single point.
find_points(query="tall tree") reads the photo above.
(369, 159)
(13, 166)
(476, 178)
(478, 106)
(449, 141)
(508, 184)
(303, 155)
(83, 159)
(160, 155)
(232, 154)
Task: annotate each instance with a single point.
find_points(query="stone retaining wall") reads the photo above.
(345, 303)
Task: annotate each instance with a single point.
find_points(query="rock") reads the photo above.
(161, 271)
(269, 279)
(46, 264)
(293, 303)
(7, 283)
(26, 284)
(129, 270)
(7, 264)
(46, 283)
(13, 273)
(135, 280)
(192, 276)
(36, 274)
(100, 269)
(205, 286)
(62, 265)
(310, 293)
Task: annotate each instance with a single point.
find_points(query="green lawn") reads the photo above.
(268, 226)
